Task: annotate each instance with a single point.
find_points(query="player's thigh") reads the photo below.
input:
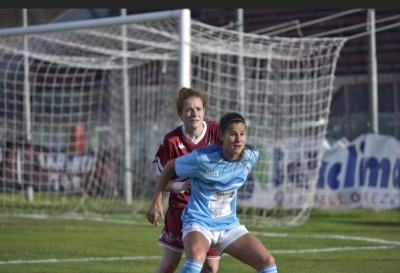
(171, 256)
(196, 245)
(249, 249)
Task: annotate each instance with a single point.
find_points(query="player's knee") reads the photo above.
(268, 260)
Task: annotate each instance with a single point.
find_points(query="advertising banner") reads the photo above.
(364, 173)
(24, 165)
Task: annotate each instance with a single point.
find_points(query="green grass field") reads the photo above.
(330, 241)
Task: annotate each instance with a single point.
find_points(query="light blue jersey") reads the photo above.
(215, 181)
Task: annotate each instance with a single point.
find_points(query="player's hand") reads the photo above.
(187, 187)
(153, 212)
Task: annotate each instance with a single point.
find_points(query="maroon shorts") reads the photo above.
(171, 235)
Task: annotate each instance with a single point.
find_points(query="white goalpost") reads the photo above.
(101, 95)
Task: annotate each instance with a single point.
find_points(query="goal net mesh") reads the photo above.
(62, 135)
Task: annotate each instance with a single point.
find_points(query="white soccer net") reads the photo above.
(66, 155)
(282, 86)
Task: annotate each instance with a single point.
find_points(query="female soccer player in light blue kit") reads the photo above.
(216, 173)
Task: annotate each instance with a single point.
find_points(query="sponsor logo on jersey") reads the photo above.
(247, 168)
(179, 240)
(225, 194)
(181, 146)
(212, 173)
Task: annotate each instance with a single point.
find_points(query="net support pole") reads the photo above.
(127, 110)
(239, 24)
(373, 78)
(27, 102)
(184, 51)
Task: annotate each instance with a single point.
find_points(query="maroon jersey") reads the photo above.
(177, 143)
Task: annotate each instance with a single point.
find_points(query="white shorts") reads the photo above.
(218, 239)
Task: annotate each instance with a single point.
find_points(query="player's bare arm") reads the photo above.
(156, 208)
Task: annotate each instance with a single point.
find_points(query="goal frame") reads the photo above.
(119, 74)
(184, 62)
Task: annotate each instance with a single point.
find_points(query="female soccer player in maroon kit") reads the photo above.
(191, 105)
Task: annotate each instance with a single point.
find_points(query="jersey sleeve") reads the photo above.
(187, 165)
(161, 158)
(254, 155)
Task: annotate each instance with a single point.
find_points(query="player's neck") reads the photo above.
(194, 133)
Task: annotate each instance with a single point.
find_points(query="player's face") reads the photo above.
(192, 113)
(233, 140)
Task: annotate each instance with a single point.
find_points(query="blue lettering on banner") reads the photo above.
(379, 172)
(278, 169)
(297, 173)
(351, 165)
(372, 173)
(396, 174)
(245, 192)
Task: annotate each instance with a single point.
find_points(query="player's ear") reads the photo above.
(221, 136)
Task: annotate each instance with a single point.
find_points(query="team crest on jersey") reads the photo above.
(181, 146)
(247, 168)
(169, 237)
(214, 213)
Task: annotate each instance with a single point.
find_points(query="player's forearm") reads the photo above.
(164, 180)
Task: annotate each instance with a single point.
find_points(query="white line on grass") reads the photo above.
(79, 260)
(340, 237)
(268, 234)
(90, 259)
(332, 249)
(392, 244)
(78, 218)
